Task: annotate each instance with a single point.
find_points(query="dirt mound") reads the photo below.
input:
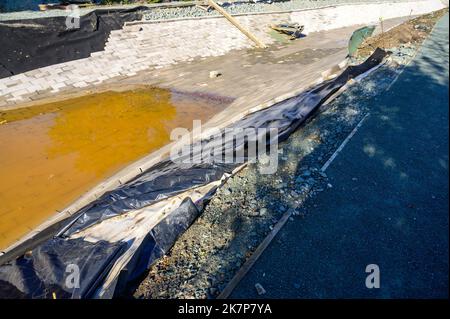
(411, 32)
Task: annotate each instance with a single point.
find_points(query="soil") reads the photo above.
(412, 32)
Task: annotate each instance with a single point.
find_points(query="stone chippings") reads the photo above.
(248, 7)
(156, 13)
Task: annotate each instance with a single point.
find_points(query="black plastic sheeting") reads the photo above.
(161, 181)
(35, 43)
(43, 273)
(155, 245)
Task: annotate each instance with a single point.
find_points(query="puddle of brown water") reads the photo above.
(50, 154)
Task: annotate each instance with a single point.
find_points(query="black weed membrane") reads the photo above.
(45, 273)
(35, 43)
(48, 270)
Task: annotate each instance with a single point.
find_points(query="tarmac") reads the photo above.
(388, 204)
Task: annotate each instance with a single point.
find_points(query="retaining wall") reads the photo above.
(146, 45)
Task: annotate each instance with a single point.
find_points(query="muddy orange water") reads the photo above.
(50, 154)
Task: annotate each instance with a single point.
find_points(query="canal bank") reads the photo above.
(112, 228)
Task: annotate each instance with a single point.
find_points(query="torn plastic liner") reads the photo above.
(58, 269)
(75, 268)
(155, 245)
(163, 180)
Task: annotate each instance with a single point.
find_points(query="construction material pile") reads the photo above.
(243, 7)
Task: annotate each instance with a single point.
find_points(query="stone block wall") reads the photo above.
(148, 45)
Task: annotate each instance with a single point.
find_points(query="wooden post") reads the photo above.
(237, 24)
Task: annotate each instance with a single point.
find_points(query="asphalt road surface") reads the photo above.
(388, 205)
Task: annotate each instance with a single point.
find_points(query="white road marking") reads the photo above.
(341, 147)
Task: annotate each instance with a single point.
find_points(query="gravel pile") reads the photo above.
(249, 7)
(158, 13)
